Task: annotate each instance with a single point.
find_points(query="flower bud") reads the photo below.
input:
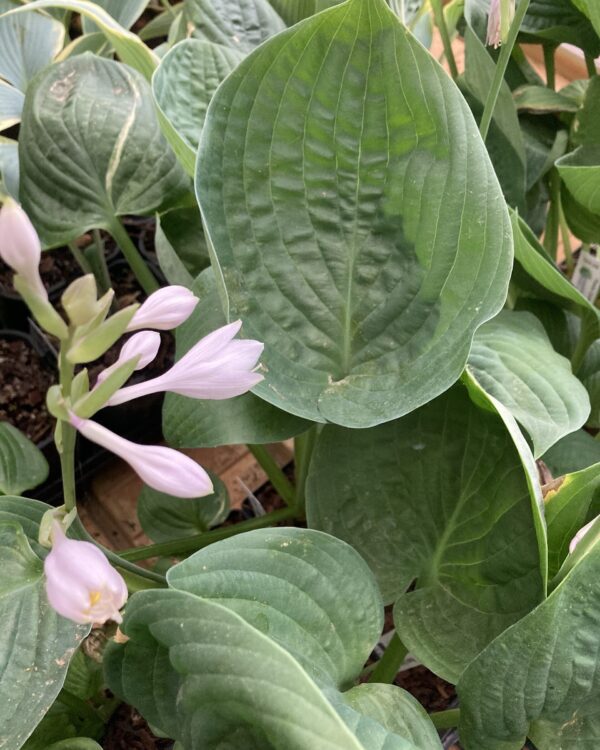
(161, 468)
(20, 246)
(144, 345)
(500, 16)
(580, 534)
(217, 367)
(81, 584)
(165, 309)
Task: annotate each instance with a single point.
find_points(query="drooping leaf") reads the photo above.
(592, 10)
(580, 171)
(574, 452)
(184, 83)
(513, 360)
(22, 464)
(238, 24)
(35, 642)
(328, 251)
(11, 105)
(535, 271)
(583, 223)
(468, 537)
(282, 618)
(28, 43)
(91, 149)
(569, 507)
(505, 141)
(128, 46)
(541, 100)
(164, 517)
(560, 21)
(191, 423)
(540, 677)
(125, 13)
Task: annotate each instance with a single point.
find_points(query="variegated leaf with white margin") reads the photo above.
(91, 149)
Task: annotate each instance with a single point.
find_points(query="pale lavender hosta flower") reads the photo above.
(80, 582)
(162, 468)
(144, 345)
(580, 534)
(20, 246)
(165, 309)
(217, 367)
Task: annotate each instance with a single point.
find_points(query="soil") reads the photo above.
(24, 380)
(127, 730)
(58, 268)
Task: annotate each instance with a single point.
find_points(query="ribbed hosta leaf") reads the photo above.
(541, 677)
(560, 21)
(513, 360)
(35, 643)
(91, 149)
(468, 536)
(185, 82)
(252, 645)
(11, 105)
(191, 423)
(238, 24)
(125, 12)
(22, 465)
(315, 158)
(293, 11)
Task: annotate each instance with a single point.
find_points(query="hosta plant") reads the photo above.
(386, 259)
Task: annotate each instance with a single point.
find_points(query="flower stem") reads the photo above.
(445, 719)
(276, 476)
(388, 666)
(190, 544)
(65, 435)
(304, 446)
(553, 217)
(501, 65)
(566, 240)
(440, 22)
(136, 262)
(549, 50)
(97, 261)
(590, 64)
(82, 261)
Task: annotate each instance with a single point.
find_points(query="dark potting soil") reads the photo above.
(127, 730)
(24, 380)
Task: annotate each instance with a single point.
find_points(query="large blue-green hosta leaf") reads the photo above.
(35, 642)
(91, 149)
(440, 496)
(541, 677)
(254, 646)
(355, 216)
(237, 24)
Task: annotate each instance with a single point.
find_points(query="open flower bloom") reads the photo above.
(217, 367)
(580, 534)
(80, 582)
(20, 246)
(165, 309)
(144, 345)
(162, 468)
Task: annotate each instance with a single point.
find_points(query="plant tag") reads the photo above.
(586, 276)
